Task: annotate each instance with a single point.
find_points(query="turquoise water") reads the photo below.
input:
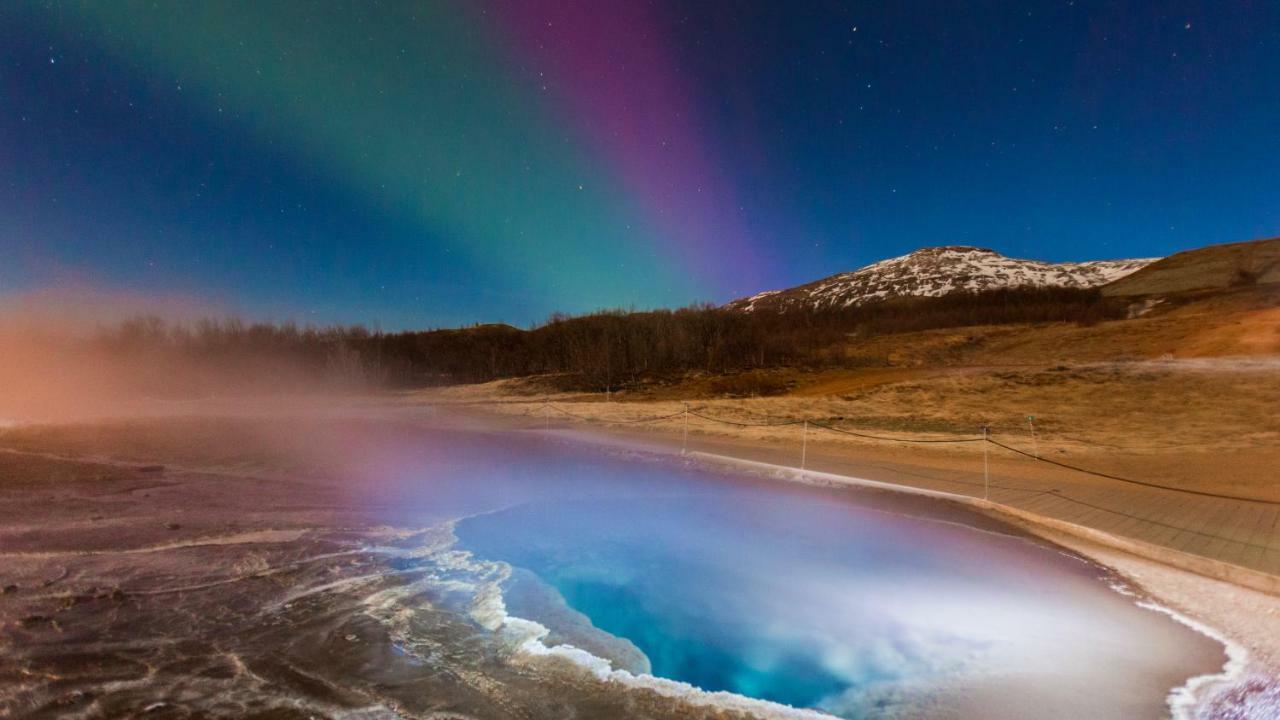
(801, 598)
(862, 604)
(717, 589)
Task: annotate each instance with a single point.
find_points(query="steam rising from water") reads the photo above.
(778, 597)
(802, 602)
(75, 353)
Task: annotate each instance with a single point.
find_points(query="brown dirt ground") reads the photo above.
(1187, 392)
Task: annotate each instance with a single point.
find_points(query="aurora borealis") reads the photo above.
(435, 163)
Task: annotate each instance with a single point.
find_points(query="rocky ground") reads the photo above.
(172, 582)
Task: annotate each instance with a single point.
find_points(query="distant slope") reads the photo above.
(1256, 262)
(933, 272)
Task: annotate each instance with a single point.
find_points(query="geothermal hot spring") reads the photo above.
(479, 574)
(853, 602)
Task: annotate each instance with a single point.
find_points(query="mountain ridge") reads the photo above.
(1236, 264)
(938, 271)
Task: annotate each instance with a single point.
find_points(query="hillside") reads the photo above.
(1240, 264)
(934, 272)
(941, 307)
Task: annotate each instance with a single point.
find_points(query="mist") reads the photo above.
(76, 354)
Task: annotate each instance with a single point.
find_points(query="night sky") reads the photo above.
(439, 163)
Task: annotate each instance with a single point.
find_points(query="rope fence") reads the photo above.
(1144, 483)
(868, 436)
(1028, 496)
(985, 438)
(1127, 516)
(722, 421)
(1032, 493)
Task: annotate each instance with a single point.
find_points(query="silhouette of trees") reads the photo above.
(603, 350)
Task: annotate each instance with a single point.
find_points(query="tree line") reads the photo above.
(598, 351)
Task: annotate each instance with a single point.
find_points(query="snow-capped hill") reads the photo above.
(933, 272)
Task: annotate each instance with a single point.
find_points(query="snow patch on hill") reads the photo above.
(934, 272)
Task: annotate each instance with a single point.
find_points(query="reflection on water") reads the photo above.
(809, 601)
(732, 591)
(810, 598)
